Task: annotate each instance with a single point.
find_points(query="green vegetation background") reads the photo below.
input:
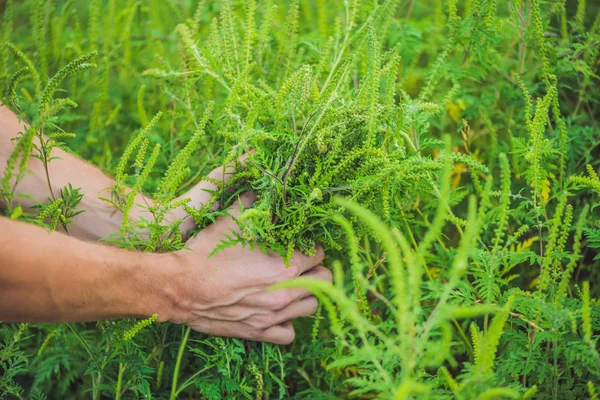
(463, 136)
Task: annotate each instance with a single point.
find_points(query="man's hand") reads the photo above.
(227, 294)
(202, 193)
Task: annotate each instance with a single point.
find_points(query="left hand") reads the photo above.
(202, 193)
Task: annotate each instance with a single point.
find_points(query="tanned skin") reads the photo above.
(52, 277)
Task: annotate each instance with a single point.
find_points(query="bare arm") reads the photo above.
(50, 277)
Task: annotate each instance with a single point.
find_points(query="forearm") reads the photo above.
(49, 277)
(99, 218)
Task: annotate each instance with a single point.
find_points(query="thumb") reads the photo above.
(223, 173)
(245, 200)
(203, 192)
(224, 224)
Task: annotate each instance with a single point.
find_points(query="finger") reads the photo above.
(319, 272)
(224, 174)
(262, 306)
(301, 308)
(280, 299)
(303, 262)
(283, 334)
(245, 200)
(235, 313)
(278, 334)
(228, 223)
(205, 189)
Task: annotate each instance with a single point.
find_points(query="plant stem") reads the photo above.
(188, 381)
(119, 382)
(45, 161)
(174, 391)
(89, 351)
(83, 342)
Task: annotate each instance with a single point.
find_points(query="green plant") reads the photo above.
(436, 149)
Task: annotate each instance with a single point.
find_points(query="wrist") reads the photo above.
(153, 286)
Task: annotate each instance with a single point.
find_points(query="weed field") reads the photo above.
(443, 152)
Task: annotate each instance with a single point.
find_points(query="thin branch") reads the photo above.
(522, 318)
(290, 163)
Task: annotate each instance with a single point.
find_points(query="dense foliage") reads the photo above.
(443, 152)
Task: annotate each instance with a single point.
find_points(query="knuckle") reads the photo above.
(255, 323)
(269, 320)
(227, 314)
(262, 322)
(279, 299)
(253, 334)
(294, 268)
(283, 272)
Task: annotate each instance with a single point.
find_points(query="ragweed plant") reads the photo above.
(443, 152)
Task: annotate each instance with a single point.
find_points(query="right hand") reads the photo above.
(227, 294)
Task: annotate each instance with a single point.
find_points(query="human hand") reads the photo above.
(227, 294)
(202, 192)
